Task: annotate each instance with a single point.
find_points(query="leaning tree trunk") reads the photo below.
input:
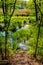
(6, 39)
(39, 25)
(36, 12)
(1, 51)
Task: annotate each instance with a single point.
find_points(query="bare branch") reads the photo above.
(36, 10)
(39, 9)
(12, 13)
(13, 8)
(3, 6)
(36, 5)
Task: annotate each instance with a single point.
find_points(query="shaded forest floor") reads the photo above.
(22, 58)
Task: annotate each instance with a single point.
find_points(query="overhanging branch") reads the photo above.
(12, 13)
(3, 7)
(13, 8)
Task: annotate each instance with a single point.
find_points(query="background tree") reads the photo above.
(39, 20)
(7, 18)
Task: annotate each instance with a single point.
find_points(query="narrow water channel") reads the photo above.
(21, 44)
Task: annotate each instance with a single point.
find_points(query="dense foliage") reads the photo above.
(20, 27)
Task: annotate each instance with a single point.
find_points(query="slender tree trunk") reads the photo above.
(1, 51)
(39, 25)
(38, 28)
(37, 41)
(36, 10)
(6, 39)
(2, 54)
(38, 35)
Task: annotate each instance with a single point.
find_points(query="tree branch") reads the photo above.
(12, 13)
(3, 7)
(36, 10)
(13, 8)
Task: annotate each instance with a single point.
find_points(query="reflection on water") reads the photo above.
(3, 33)
(25, 26)
(21, 45)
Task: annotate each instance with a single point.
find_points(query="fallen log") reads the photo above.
(3, 62)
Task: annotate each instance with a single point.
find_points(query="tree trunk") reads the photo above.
(6, 37)
(37, 41)
(2, 56)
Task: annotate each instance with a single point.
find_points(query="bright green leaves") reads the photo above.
(21, 35)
